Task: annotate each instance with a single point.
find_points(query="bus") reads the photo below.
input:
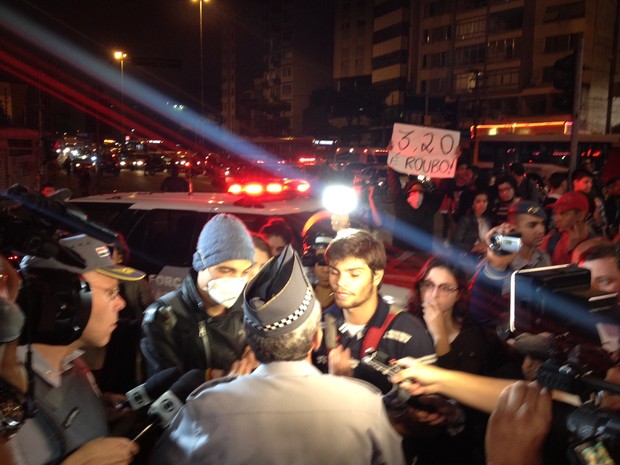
(543, 148)
(301, 150)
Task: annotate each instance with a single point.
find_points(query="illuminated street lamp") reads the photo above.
(120, 56)
(202, 59)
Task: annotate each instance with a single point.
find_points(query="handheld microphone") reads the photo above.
(147, 392)
(163, 410)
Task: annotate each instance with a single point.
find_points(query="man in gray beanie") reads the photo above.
(286, 411)
(200, 325)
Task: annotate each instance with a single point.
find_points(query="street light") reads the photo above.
(120, 56)
(202, 59)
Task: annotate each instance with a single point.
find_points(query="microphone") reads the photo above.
(163, 410)
(154, 387)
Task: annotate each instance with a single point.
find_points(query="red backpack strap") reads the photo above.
(374, 334)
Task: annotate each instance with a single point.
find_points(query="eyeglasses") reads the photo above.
(443, 289)
(110, 293)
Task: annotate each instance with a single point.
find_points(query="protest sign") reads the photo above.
(425, 151)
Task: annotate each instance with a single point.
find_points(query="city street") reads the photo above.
(127, 181)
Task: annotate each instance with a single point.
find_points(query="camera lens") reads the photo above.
(495, 242)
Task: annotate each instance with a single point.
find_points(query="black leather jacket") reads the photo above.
(177, 332)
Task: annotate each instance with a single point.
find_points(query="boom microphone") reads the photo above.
(163, 410)
(154, 387)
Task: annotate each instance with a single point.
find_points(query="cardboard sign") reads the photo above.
(425, 151)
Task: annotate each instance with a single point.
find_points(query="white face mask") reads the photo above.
(415, 199)
(225, 291)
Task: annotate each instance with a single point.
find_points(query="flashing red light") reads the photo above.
(254, 189)
(235, 189)
(274, 188)
(307, 160)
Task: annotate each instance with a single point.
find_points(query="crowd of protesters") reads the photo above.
(287, 352)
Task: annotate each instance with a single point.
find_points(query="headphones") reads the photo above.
(57, 305)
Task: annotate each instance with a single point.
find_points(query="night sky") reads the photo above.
(160, 31)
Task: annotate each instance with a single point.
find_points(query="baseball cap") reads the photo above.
(572, 201)
(525, 206)
(96, 255)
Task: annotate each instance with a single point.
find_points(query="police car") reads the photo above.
(162, 228)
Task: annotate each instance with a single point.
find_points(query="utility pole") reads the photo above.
(574, 139)
(612, 70)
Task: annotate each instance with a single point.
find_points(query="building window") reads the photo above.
(287, 71)
(287, 56)
(561, 43)
(507, 20)
(565, 11)
(433, 9)
(470, 55)
(472, 27)
(463, 82)
(432, 86)
(437, 34)
(287, 90)
(436, 60)
(502, 79)
(344, 67)
(506, 49)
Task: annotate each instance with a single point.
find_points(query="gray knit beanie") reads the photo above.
(223, 238)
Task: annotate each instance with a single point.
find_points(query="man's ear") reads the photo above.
(377, 277)
(317, 339)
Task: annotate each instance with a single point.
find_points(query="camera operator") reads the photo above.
(68, 307)
(489, 287)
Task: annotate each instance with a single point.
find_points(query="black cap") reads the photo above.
(279, 298)
(531, 208)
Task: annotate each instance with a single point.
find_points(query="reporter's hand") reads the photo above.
(104, 451)
(246, 365)
(418, 378)
(519, 425)
(339, 361)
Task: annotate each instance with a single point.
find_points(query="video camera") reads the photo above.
(559, 300)
(30, 224)
(580, 369)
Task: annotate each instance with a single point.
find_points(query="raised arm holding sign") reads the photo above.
(425, 151)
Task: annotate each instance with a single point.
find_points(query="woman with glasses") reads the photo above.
(440, 298)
